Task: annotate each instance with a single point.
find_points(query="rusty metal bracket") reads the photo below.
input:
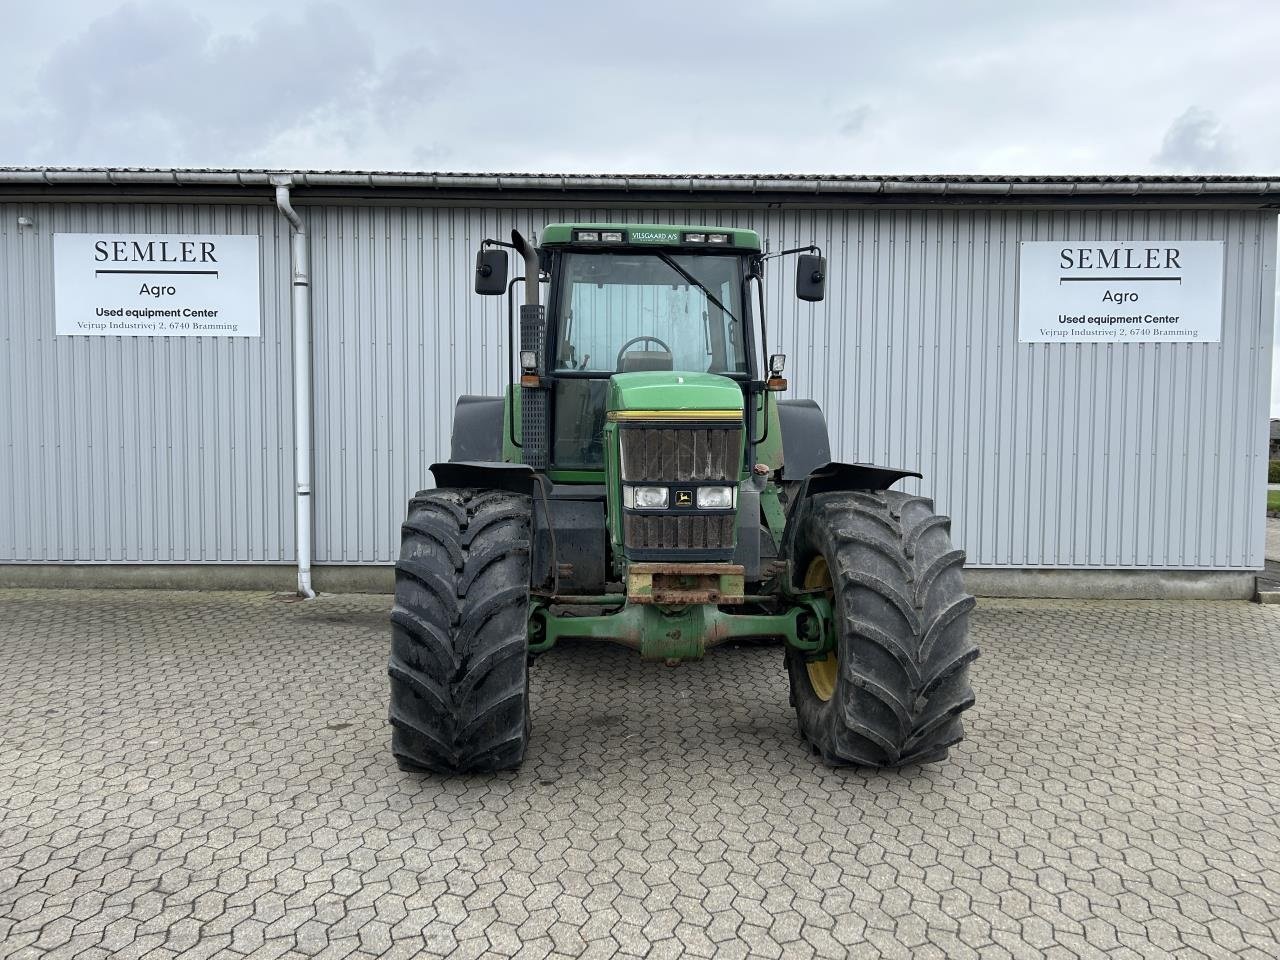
(686, 583)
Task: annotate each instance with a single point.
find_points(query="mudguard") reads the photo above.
(486, 474)
(475, 450)
(836, 476)
(853, 476)
(806, 454)
(477, 429)
(805, 444)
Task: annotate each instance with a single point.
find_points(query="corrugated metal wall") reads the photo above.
(1047, 455)
(139, 449)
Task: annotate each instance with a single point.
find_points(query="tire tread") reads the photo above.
(459, 647)
(903, 616)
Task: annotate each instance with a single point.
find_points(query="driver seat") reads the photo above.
(636, 361)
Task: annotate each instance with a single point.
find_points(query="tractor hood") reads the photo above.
(670, 391)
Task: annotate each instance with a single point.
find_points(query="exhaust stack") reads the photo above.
(534, 401)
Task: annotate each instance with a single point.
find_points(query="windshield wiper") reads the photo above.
(670, 262)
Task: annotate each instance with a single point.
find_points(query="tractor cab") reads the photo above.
(627, 298)
(659, 300)
(640, 375)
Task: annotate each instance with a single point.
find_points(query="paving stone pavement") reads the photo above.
(204, 775)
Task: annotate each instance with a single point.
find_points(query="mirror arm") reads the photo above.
(811, 248)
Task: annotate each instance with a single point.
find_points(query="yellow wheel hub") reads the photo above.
(822, 673)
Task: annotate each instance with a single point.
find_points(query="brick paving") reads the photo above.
(204, 775)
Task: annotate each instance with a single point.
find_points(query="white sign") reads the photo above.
(1132, 291)
(156, 285)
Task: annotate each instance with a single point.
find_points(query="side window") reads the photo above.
(725, 336)
(579, 423)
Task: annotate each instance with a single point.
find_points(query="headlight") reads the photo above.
(645, 498)
(715, 498)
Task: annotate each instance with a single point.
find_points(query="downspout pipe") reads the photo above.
(300, 258)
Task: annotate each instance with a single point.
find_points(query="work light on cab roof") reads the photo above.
(643, 480)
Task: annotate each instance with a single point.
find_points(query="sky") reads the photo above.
(754, 87)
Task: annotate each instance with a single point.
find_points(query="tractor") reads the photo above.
(642, 482)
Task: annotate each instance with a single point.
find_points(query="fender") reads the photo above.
(853, 476)
(488, 474)
(831, 477)
(477, 429)
(805, 444)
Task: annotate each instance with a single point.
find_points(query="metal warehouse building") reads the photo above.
(1136, 466)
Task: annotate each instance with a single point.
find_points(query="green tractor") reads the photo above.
(642, 483)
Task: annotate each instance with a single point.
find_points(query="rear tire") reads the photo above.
(459, 633)
(900, 677)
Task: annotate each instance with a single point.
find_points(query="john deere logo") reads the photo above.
(684, 498)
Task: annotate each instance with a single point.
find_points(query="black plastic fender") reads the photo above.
(805, 444)
(853, 476)
(477, 429)
(486, 474)
(833, 476)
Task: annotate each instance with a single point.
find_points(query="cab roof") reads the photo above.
(650, 234)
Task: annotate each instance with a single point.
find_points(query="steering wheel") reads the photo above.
(632, 342)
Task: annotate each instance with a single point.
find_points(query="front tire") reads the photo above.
(892, 691)
(459, 633)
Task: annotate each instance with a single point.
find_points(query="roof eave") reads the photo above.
(1216, 190)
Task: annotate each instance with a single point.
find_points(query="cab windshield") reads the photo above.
(628, 312)
(622, 312)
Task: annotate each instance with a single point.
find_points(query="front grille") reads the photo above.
(698, 532)
(671, 455)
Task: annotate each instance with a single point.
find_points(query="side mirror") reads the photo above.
(491, 272)
(811, 277)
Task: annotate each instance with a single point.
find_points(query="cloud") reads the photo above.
(741, 85)
(854, 120)
(1196, 142)
(400, 89)
(155, 84)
